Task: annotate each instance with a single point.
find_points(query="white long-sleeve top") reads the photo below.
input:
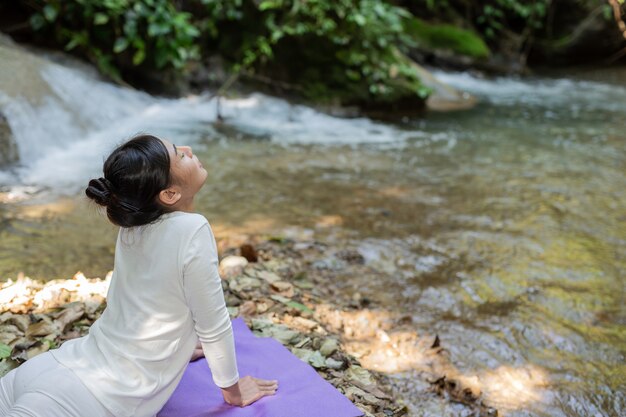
(165, 294)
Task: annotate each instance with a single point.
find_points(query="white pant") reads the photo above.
(42, 387)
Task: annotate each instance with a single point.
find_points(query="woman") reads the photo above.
(165, 301)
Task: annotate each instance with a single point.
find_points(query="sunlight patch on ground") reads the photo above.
(388, 344)
(513, 388)
(21, 295)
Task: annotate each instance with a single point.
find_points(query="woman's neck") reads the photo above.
(184, 205)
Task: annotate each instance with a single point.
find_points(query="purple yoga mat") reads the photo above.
(301, 391)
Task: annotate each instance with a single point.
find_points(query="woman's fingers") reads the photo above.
(265, 382)
(252, 389)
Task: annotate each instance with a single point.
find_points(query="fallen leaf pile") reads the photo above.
(36, 316)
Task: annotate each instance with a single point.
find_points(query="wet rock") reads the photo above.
(351, 256)
(444, 97)
(8, 147)
(330, 263)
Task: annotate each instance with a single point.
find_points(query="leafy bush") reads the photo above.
(113, 33)
(494, 15)
(349, 48)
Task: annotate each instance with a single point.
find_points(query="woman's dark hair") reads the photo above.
(134, 174)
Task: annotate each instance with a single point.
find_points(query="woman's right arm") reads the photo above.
(205, 298)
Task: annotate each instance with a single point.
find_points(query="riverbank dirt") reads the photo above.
(283, 289)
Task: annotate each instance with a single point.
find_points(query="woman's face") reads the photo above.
(185, 169)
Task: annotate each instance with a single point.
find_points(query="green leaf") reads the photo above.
(290, 303)
(120, 45)
(37, 21)
(156, 29)
(100, 19)
(299, 306)
(76, 39)
(5, 351)
(360, 19)
(269, 4)
(51, 343)
(50, 13)
(139, 56)
(192, 31)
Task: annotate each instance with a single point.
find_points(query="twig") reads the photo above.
(220, 91)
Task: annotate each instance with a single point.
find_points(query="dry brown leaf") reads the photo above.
(68, 315)
(284, 288)
(42, 328)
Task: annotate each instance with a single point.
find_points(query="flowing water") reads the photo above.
(502, 228)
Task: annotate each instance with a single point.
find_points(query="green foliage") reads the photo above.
(149, 32)
(443, 36)
(334, 48)
(495, 15)
(353, 49)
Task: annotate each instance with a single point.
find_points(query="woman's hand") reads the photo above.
(248, 390)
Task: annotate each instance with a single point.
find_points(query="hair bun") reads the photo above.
(100, 191)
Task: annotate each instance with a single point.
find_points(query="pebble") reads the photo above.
(232, 266)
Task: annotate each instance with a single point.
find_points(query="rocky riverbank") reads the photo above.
(283, 289)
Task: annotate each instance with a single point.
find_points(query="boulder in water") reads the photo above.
(8, 148)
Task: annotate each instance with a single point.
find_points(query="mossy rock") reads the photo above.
(448, 37)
